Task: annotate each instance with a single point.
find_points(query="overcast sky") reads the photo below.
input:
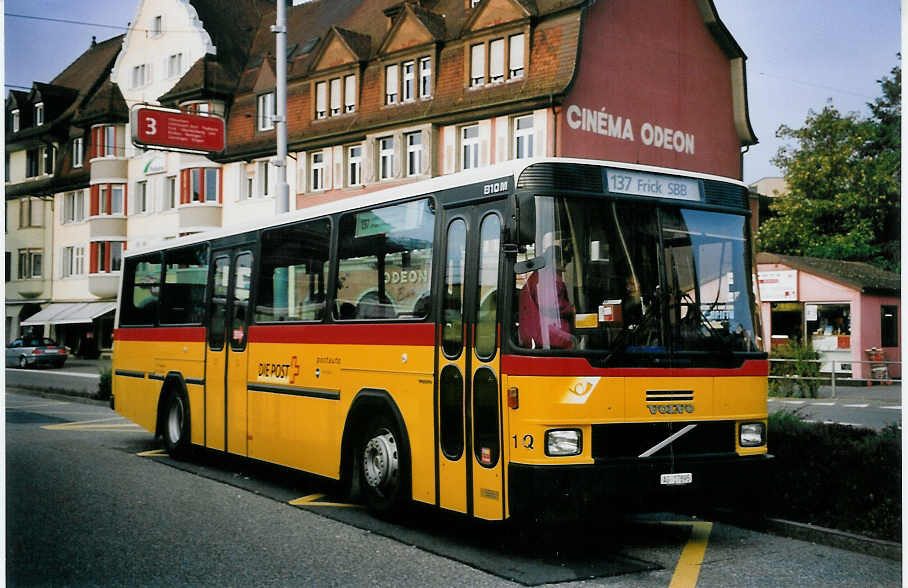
(801, 53)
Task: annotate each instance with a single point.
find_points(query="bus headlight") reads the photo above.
(752, 434)
(561, 442)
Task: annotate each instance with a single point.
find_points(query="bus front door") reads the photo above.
(225, 364)
(468, 419)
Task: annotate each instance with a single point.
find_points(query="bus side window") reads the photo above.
(141, 289)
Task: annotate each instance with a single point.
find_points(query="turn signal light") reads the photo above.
(513, 398)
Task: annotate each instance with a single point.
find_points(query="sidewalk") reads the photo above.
(890, 394)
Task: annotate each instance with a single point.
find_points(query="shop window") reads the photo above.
(889, 326)
(828, 325)
(294, 269)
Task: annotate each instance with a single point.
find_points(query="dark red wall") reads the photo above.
(652, 62)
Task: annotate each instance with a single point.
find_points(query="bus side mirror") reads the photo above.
(526, 218)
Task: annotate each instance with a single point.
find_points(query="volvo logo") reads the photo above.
(671, 409)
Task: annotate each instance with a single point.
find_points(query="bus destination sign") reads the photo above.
(172, 129)
(642, 184)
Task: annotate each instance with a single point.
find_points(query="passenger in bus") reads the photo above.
(545, 313)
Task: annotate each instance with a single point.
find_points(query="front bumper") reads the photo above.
(634, 485)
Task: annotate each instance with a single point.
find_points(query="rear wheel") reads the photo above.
(384, 466)
(175, 425)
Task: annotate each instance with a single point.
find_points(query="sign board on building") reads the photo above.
(160, 128)
(778, 285)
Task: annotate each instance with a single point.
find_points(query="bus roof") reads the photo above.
(511, 168)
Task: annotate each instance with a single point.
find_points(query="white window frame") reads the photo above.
(318, 174)
(78, 152)
(171, 196)
(48, 156)
(157, 26)
(408, 88)
(425, 77)
(496, 61)
(321, 100)
(15, 119)
(110, 141)
(516, 56)
(524, 137)
(264, 111)
(336, 97)
(477, 65)
(391, 84)
(141, 196)
(414, 153)
(385, 158)
(355, 165)
(39, 114)
(349, 93)
(116, 207)
(174, 65)
(102, 199)
(469, 147)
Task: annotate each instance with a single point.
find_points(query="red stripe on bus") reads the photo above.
(519, 365)
(359, 334)
(192, 334)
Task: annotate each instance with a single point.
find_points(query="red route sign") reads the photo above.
(172, 129)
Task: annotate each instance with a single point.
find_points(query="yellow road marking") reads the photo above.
(688, 569)
(153, 453)
(92, 425)
(311, 499)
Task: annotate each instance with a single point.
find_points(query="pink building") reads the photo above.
(843, 308)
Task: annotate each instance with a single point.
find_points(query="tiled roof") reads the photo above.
(861, 276)
(105, 105)
(232, 25)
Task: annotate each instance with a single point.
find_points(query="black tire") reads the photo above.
(175, 424)
(383, 467)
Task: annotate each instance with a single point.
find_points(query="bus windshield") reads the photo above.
(622, 278)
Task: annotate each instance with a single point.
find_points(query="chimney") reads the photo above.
(94, 40)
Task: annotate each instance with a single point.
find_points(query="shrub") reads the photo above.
(836, 476)
(104, 384)
(796, 374)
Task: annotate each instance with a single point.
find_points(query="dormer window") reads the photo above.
(506, 60)
(39, 114)
(321, 100)
(335, 97)
(349, 93)
(391, 84)
(265, 112)
(14, 123)
(474, 3)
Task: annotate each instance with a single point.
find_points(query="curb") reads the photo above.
(59, 394)
(834, 538)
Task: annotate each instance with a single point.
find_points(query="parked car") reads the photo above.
(35, 351)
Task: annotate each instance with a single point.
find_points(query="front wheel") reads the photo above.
(384, 467)
(23, 362)
(176, 425)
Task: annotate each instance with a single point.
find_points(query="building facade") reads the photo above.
(380, 93)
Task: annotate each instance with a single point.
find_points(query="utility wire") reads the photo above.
(66, 21)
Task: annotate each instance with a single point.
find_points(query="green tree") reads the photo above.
(843, 173)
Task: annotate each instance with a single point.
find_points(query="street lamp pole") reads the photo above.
(282, 201)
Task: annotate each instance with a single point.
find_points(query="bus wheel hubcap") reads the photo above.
(175, 420)
(380, 465)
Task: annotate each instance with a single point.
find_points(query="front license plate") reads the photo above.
(676, 479)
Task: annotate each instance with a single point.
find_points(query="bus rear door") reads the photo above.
(468, 414)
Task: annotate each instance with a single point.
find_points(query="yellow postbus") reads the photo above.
(495, 342)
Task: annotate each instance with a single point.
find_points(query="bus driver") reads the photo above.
(545, 313)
